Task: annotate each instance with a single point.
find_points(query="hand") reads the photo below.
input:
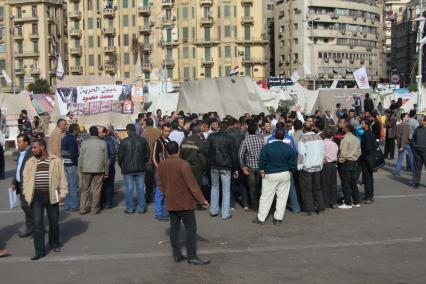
(298, 108)
(13, 187)
(262, 174)
(236, 174)
(61, 199)
(206, 204)
(246, 171)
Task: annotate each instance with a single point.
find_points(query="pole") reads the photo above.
(312, 51)
(12, 33)
(419, 75)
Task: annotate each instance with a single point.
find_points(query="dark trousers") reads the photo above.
(149, 182)
(329, 184)
(419, 163)
(39, 204)
(2, 164)
(107, 192)
(367, 176)
(188, 219)
(239, 189)
(389, 148)
(349, 177)
(27, 212)
(253, 180)
(310, 185)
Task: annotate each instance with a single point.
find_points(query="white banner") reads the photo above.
(98, 93)
(6, 77)
(361, 78)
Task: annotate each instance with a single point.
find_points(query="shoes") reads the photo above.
(26, 234)
(57, 249)
(257, 221)
(344, 206)
(106, 207)
(227, 218)
(414, 185)
(232, 209)
(358, 205)
(4, 253)
(128, 212)
(213, 215)
(37, 257)
(180, 258)
(74, 210)
(277, 222)
(84, 212)
(319, 211)
(246, 209)
(396, 174)
(197, 261)
(142, 211)
(96, 212)
(367, 201)
(163, 219)
(333, 206)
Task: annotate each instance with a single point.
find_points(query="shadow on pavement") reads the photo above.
(6, 233)
(72, 228)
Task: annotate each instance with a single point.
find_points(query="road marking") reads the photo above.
(127, 256)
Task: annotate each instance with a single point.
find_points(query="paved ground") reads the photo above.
(379, 243)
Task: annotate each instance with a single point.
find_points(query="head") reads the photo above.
(289, 125)
(214, 124)
(93, 131)
(24, 113)
(223, 126)
(166, 128)
(172, 148)
(252, 127)
(62, 124)
(159, 113)
(338, 106)
(36, 119)
(298, 125)
(317, 112)
(102, 132)
(405, 117)
(311, 121)
(327, 112)
(423, 121)
(22, 141)
(175, 124)
(367, 95)
(267, 129)
(365, 124)
(280, 134)
(130, 129)
(74, 129)
(149, 122)
(39, 148)
(196, 129)
(412, 113)
(319, 126)
(307, 127)
(351, 113)
(329, 132)
(205, 125)
(345, 125)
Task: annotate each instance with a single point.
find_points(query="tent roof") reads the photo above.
(11, 105)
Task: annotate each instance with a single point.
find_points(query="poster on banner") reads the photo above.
(361, 78)
(99, 93)
(137, 94)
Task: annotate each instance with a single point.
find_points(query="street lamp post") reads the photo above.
(313, 51)
(420, 65)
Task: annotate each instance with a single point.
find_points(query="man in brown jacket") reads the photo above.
(182, 194)
(403, 142)
(55, 138)
(390, 125)
(151, 134)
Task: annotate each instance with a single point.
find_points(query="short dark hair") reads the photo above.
(280, 125)
(175, 124)
(166, 125)
(195, 128)
(252, 127)
(329, 132)
(367, 122)
(24, 111)
(93, 131)
(40, 142)
(298, 124)
(412, 113)
(172, 148)
(130, 128)
(319, 124)
(403, 115)
(307, 126)
(367, 95)
(73, 127)
(60, 121)
(223, 125)
(149, 122)
(280, 134)
(24, 137)
(206, 122)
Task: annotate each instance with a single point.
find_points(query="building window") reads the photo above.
(147, 76)
(126, 58)
(227, 70)
(133, 20)
(170, 73)
(19, 12)
(186, 73)
(125, 20)
(185, 12)
(296, 26)
(227, 31)
(247, 71)
(91, 41)
(247, 11)
(34, 11)
(247, 33)
(185, 52)
(207, 72)
(227, 51)
(193, 53)
(126, 40)
(91, 60)
(296, 41)
(125, 3)
(133, 3)
(89, 5)
(90, 23)
(206, 34)
(34, 29)
(227, 11)
(185, 33)
(126, 75)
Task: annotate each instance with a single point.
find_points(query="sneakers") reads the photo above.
(358, 205)
(344, 206)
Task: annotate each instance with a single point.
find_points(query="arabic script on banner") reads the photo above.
(98, 93)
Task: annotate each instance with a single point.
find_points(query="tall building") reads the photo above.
(330, 39)
(181, 40)
(32, 36)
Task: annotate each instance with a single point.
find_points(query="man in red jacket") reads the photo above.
(182, 194)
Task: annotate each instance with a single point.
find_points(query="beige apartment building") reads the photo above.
(182, 40)
(331, 38)
(32, 35)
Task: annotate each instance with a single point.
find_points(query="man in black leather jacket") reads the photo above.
(367, 159)
(133, 155)
(192, 151)
(221, 151)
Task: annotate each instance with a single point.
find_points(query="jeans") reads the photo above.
(72, 200)
(348, 174)
(253, 180)
(225, 177)
(41, 202)
(129, 181)
(160, 210)
(107, 191)
(188, 218)
(294, 202)
(407, 149)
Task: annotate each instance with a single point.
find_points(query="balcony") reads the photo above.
(167, 3)
(35, 71)
(52, 53)
(109, 12)
(207, 62)
(146, 29)
(76, 69)
(75, 33)
(19, 71)
(76, 15)
(146, 66)
(18, 37)
(169, 43)
(109, 68)
(206, 3)
(108, 31)
(109, 49)
(144, 10)
(252, 41)
(20, 54)
(147, 48)
(254, 61)
(247, 21)
(25, 19)
(34, 36)
(206, 42)
(76, 51)
(169, 62)
(206, 21)
(247, 2)
(167, 22)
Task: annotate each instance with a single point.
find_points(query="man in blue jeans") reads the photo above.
(132, 158)
(403, 141)
(221, 151)
(70, 153)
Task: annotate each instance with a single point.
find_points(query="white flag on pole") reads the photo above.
(234, 71)
(361, 78)
(59, 68)
(6, 77)
(138, 71)
(295, 76)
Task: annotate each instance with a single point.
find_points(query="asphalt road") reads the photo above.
(379, 243)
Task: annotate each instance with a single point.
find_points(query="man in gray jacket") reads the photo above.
(93, 167)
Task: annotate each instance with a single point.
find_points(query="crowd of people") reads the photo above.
(184, 162)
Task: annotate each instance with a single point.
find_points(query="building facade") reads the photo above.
(328, 40)
(32, 36)
(181, 40)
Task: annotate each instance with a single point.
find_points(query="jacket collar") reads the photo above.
(175, 156)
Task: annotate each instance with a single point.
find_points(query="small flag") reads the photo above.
(59, 67)
(6, 77)
(234, 71)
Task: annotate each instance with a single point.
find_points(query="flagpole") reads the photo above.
(420, 64)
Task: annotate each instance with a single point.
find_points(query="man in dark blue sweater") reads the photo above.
(276, 162)
(69, 153)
